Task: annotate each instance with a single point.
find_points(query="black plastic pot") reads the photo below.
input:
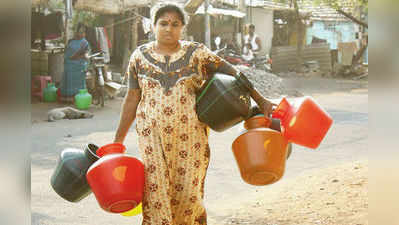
(223, 102)
(69, 177)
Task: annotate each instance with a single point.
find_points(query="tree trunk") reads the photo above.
(359, 55)
(361, 23)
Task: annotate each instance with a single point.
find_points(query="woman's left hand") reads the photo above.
(266, 107)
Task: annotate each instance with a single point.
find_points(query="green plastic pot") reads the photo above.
(50, 93)
(83, 99)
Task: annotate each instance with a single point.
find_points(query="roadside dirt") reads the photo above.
(332, 196)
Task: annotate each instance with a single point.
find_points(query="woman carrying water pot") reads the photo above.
(163, 78)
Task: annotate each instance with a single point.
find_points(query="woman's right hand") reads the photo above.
(267, 107)
(118, 140)
(83, 45)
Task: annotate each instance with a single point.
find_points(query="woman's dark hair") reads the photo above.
(161, 8)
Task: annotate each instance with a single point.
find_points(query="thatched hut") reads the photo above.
(39, 2)
(110, 7)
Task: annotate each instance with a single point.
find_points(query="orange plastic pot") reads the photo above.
(117, 181)
(260, 152)
(257, 121)
(304, 122)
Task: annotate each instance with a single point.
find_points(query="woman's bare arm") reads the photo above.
(128, 114)
(81, 53)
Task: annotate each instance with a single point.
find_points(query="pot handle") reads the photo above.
(268, 121)
(272, 123)
(255, 110)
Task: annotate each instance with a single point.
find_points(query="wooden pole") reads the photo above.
(242, 8)
(66, 31)
(134, 30)
(300, 29)
(207, 25)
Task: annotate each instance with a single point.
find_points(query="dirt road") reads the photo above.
(228, 199)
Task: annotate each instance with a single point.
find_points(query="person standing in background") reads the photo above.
(75, 64)
(253, 39)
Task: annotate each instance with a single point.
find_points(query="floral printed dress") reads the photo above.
(173, 142)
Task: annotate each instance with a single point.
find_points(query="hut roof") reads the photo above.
(324, 12)
(317, 12)
(39, 2)
(110, 6)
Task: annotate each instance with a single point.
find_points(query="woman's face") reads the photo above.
(168, 28)
(81, 33)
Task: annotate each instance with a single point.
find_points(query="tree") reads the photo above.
(339, 5)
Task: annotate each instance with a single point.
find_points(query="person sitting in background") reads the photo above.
(75, 65)
(247, 52)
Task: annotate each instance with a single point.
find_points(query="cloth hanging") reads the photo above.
(346, 50)
(103, 43)
(107, 37)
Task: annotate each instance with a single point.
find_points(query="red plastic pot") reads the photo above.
(304, 122)
(117, 181)
(111, 149)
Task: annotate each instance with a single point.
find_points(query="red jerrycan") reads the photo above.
(304, 122)
(116, 179)
(260, 152)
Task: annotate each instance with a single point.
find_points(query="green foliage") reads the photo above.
(87, 18)
(56, 5)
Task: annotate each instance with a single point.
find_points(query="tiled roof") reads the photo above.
(318, 12)
(325, 12)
